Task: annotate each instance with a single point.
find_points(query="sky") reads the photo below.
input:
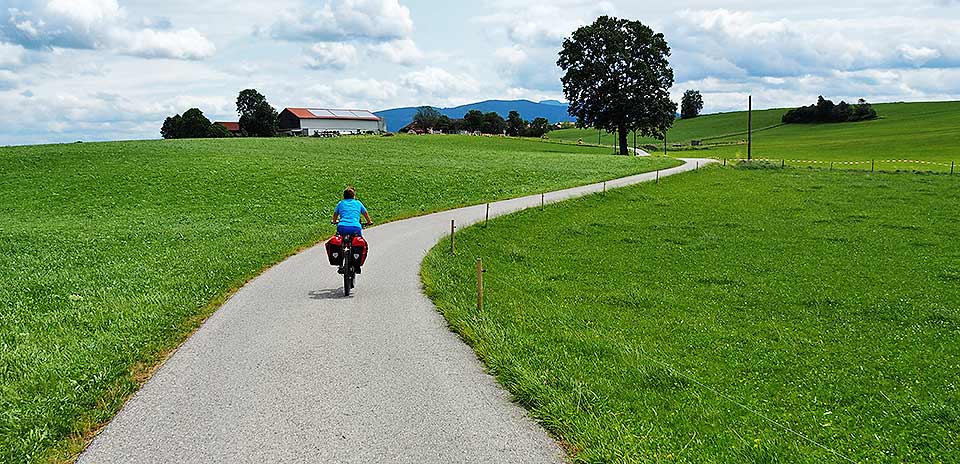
(114, 69)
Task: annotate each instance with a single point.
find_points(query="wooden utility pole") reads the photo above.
(749, 127)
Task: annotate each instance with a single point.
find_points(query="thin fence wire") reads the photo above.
(841, 163)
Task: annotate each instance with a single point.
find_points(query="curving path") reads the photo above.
(289, 371)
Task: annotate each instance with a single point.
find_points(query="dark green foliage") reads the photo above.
(538, 127)
(617, 77)
(473, 121)
(171, 127)
(257, 117)
(691, 104)
(218, 131)
(428, 118)
(493, 123)
(516, 125)
(192, 125)
(825, 112)
(656, 323)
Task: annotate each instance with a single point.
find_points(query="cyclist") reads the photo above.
(347, 214)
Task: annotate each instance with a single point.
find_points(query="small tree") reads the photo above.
(691, 104)
(171, 127)
(516, 126)
(218, 132)
(257, 117)
(539, 127)
(427, 117)
(617, 78)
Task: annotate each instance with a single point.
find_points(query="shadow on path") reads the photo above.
(331, 294)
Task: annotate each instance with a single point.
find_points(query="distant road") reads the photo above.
(289, 371)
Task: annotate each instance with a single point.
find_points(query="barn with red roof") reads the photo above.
(323, 121)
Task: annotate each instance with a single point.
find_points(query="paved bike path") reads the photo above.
(289, 371)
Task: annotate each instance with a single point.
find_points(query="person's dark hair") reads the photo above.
(349, 194)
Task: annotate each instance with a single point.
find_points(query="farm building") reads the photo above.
(322, 121)
(233, 127)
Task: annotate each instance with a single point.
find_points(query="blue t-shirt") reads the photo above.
(349, 212)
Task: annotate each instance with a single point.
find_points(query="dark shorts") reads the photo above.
(356, 231)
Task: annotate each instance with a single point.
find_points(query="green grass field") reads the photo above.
(915, 131)
(111, 253)
(726, 315)
(710, 127)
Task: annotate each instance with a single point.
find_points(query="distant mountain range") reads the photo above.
(552, 110)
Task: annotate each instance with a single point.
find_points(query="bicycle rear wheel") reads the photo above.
(347, 281)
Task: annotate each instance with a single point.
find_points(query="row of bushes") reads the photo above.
(192, 125)
(825, 112)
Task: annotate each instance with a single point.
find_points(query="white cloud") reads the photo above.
(747, 42)
(96, 24)
(535, 32)
(918, 55)
(433, 83)
(186, 44)
(331, 55)
(348, 19)
(402, 51)
(11, 56)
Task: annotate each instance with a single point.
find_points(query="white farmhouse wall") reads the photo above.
(340, 125)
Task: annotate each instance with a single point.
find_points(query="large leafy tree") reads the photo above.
(691, 104)
(617, 77)
(516, 126)
(171, 127)
(257, 117)
(493, 123)
(427, 117)
(473, 121)
(194, 125)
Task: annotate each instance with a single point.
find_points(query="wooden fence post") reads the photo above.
(487, 217)
(952, 163)
(872, 165)
(658, 176)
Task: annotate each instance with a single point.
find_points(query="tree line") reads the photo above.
(429, 118)
(257, 119)
(824, 111)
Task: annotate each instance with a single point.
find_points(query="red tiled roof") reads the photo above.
(230, 126)
(301, 113)
(322, 113)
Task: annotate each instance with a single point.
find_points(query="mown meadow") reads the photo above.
(904, 131)
(112, 253)
(726, 315)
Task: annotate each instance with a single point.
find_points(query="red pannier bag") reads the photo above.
(359, 250)
(335, 250)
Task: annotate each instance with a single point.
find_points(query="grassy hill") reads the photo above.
(111, 253)
(726, 315)
(916, 131)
